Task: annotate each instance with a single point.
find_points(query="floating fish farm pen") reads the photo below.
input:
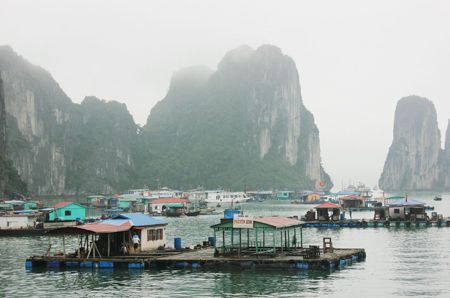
(238, 242)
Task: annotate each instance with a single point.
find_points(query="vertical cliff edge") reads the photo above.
(415, 159)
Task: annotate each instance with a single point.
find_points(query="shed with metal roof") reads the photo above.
(322, 211)
(113, 236)
(265, 235)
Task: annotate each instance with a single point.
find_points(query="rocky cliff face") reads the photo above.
(247, 118)
(446, 160)
(2, 118)
(46, 133)
(413, 158)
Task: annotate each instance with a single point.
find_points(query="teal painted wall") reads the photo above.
(75, 212)
(30, 204)
(123, 204)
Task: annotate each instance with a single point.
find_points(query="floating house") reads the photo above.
(18, 221)
(114, 236)
(352, 201)
(322, 211)
(30, 205)
(310, 197)
(160, 205)
(66, 211)
(127, 200)
(407, 210)
(286, 195)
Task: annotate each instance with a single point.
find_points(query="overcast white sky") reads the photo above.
(356, 59)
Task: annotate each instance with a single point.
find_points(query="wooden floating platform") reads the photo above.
(375, 223)
(204, 259)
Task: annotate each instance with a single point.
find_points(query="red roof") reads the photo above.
(168, 201)
(60, 205)
(328, 205)
(96, 227)
(278, 221)
(352, 197)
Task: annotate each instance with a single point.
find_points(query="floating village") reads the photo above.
(129, 230)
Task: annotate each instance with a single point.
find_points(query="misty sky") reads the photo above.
(356, 59)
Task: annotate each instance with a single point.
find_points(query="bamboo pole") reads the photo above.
(78, 246)
(90, 250)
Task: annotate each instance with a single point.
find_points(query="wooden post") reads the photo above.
(78, 246)
(109, 244)
(90, 250)
(248, 238)
(49, 246)
(240, 239)
(281, 232)
(232, 240)
(215, 240)
(256, 239)
(301, 237)
(274, 247)
(223, 240)
(64, 246)
(93, 244)
(264, 238)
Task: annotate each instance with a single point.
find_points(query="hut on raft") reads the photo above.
(407, 210)
(322, 211)
(114, 235)
(244, 235)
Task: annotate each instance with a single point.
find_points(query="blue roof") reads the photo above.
(264, 192)
(348, 193)
(410, 202)
(138, 219)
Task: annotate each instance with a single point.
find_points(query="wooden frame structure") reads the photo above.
(257, 242)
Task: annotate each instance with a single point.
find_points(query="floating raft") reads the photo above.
(375, 223)
(204, 259)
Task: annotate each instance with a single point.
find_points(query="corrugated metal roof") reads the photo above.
(115, 224)
(139, 219)
(168, 201)
(352, 197)
(60, 205)
(278, 222)
(403, 202)
(328, 205)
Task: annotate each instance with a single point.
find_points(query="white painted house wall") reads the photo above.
(17, 221)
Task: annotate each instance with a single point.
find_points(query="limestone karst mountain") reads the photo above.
(415, 159)
(241, 126)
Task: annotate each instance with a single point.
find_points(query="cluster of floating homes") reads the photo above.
(239, 239)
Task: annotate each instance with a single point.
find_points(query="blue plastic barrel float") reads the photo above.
(211, 240)
(177, 243)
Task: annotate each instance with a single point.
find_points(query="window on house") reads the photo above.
(67, 213)
(396, 211)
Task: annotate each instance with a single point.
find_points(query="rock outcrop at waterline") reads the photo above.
(415, 159)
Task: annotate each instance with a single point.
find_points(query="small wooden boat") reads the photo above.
(438, 198)
(192, 213)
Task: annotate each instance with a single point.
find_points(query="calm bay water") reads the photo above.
(400, 262)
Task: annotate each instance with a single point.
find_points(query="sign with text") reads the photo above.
(241, 221)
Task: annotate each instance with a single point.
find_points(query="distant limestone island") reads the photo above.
(244, 125)
(415, 160)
